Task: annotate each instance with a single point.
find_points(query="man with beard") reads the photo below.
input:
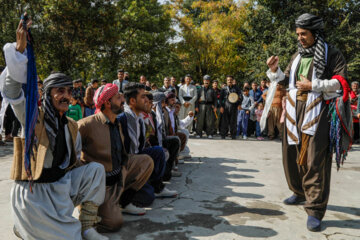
(43, 199)
(103, 142)
(314, 74)
(134, 136)
(230, 99)
(206, 108)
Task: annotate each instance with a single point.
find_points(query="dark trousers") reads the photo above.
(158, 156)
(312, 180)
(356, 131)
(11, 123)
(228, 120)
(172, 144)
(205, 120)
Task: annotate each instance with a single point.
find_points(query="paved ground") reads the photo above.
(230, 190)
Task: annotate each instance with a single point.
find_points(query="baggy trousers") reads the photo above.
(228, 120)
(134, 175)
(205, 120)
(274, 121)
(312, 180)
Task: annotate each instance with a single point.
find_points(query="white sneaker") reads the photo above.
(244, 137)
(210, 137)
(181, 161)
(198, 136)
(166, 193)
(133, 210)
(92, 234)
(176, 173)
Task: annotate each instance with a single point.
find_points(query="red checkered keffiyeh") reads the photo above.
(103, 94)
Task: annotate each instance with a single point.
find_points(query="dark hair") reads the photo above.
(149, 96)
(131, 90)
(216, 81)
(169, 95)
(246, 89)
(103, 80)
(230, 76)
(120, 70)
(182, 80)
(94, 81)
(39, 81)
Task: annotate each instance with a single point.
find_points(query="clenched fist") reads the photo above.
(273, 63)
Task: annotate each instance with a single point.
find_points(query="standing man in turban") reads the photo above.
(103, 142)
(313, 75)
(43, 201)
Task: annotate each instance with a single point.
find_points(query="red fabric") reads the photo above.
(103, 94)
(345, 86)
(352, 94)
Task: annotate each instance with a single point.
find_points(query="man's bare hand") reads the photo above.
(221, 110)
(196, 109)
(358, 115)
(273, 63)
(191, 114)
(186, 104)
(304, 84)
(21, 36)
(239, 107)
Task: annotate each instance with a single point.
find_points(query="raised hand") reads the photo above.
(21, 34)
(273, 63)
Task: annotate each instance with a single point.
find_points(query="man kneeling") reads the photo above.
(103, 142)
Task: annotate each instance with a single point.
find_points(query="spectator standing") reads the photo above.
(74, 111)
(121, 81)
(187, 97)
(89, 98)
(230, 100)
(258, 113)
(244, 113)
(206, 107)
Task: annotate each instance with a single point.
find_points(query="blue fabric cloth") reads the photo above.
(242, 121)
(145, 196)
(256, 96)
(89, 111)
(258, 129)
(31, 112)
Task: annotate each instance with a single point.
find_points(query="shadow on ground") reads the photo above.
(207, 211)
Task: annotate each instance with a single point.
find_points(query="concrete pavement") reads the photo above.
(230, 189)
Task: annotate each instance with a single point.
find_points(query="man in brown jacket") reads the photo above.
(88, 100)
(103, 142)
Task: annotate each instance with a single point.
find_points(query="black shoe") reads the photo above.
(294, 200)
(313, 224)
(233, 137)
(222, 137)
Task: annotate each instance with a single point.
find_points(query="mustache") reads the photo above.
(64, 100)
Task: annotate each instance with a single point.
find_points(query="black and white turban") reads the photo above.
(50, 114)
(316, 25)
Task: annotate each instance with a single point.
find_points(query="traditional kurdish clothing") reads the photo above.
(187, 93)
(229, 117)
(57, 183)
(103, 142)
(207, 101)
(306, 153)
